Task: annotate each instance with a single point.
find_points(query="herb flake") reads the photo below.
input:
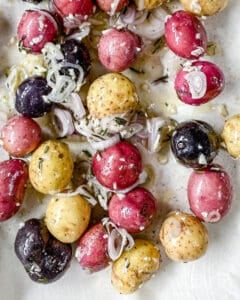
(163, 79)
(120, 121)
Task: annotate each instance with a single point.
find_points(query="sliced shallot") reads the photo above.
(62, 122)
(83, 31)
(154, 126)
(101, 145)
(118, 239)
(197, 82)
(129, 16)
(75, 104)
(81, 190)
(142, 178)
(153, 27)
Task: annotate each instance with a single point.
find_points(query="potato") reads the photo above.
(110, 94)
(204, 7)
(148, 4)
(44, 258)
(67, 217)
(231, 135)
(210, 193)
(118, 49)
(134, 210)
(21, 135)
(51, 167)
(92, 249)
(135, 266)
(185, 35)
(183, 237)
(13, 181)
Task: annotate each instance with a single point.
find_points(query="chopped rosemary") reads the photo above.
(87, 153)
(211, 49)
(158, 44)
(103, 132)
(40, 162)
(137, 71)
(120, 121)
(23, 48)
(161, 79)
(46, 149)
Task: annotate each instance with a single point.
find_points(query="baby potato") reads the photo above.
(135, 266)
(51, 167)
(111, 93)
(231, 135)
(148, 4)
(204, 7)
(67, 217)
(183, 237)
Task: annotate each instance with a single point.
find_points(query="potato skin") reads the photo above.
(135, 266)
(183, 237)
(92, 249)
(210, 193)
(67, 217)
(231, 135)
(118, 49)
(21, 135)
(109, 94)
(13, 180)
(185, 35)
(51, 167)
(204, 7)
(134, 211)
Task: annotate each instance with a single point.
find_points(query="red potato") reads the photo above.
(210, 193)
(199, 83)
(21, 135)
(119, 49)
(35, 29)
(117, 167)
(111, 6)
(185, 35)
(13, 179)
(92, 249)
(134, 210)
(73, 11)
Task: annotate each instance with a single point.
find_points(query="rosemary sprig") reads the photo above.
(162, 79)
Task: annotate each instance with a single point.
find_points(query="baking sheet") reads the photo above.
(214, 276)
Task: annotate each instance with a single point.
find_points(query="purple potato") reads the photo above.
(30, 100)
(75, 53)
(44, 258)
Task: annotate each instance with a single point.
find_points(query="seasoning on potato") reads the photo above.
(135, 266)
(67, 217)
(204, 7)
(110, 94)
(231, 135)
(51, 167)
(183, 237)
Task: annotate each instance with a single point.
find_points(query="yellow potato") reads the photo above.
(183, 237)
(135, 266)
(109, 94)
(148, 4)
(51, 167)
(204, 7)
(231, 135)
(67, 217)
